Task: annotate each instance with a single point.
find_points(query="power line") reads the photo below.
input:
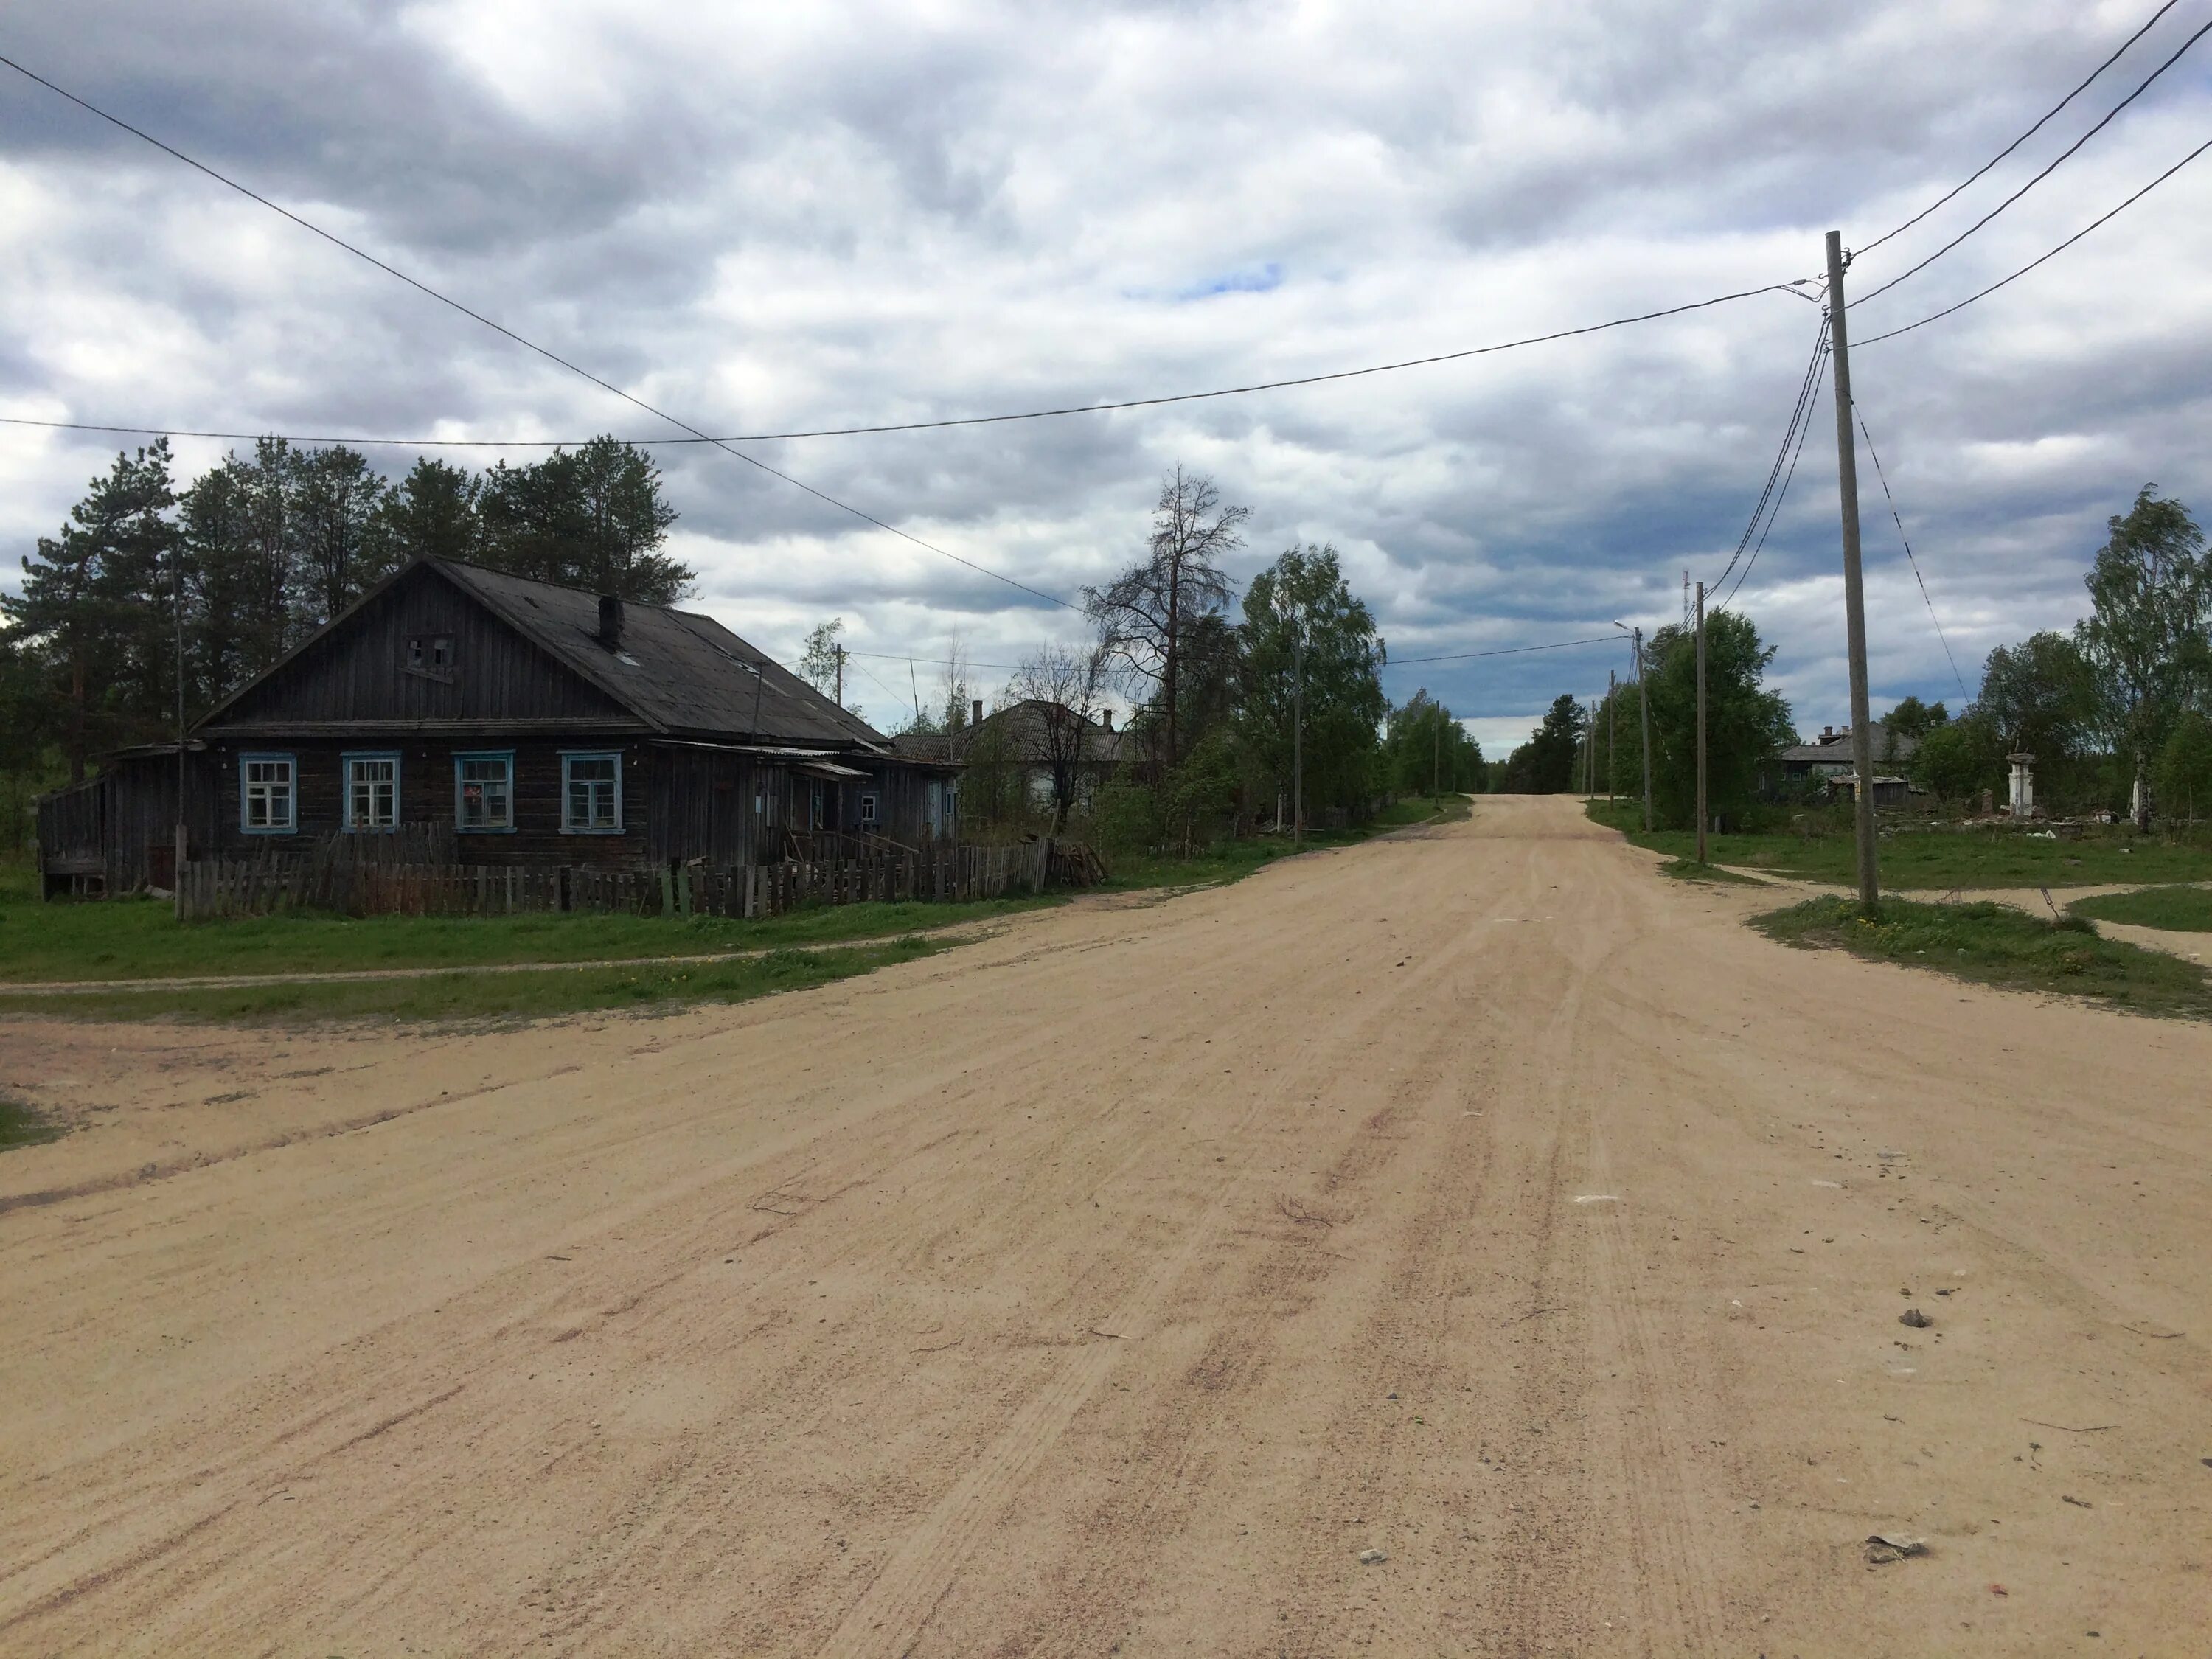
(904, 426)
(1909, 559)
(1510, 650)
(2039, 122)
(1798, 414)
(1819, 374)
(532, 345)
(2053, 167)
(2061, 248)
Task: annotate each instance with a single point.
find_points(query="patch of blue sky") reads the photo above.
(1253, 279)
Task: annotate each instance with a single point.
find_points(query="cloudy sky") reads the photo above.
(769, 217)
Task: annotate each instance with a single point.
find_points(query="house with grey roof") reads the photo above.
(534, 724)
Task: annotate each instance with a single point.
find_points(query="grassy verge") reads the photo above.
(1996, 944)
(141, 939)
(657, 988)
(21, 1127)
(1934, 859)
(2183, 910)
(1690, 870)
(1232, 861)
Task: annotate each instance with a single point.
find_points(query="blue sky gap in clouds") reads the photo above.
(765, 217)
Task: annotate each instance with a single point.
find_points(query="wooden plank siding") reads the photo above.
(359, 674)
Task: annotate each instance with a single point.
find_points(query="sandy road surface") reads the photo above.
(1477, 1196)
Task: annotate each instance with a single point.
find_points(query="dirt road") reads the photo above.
(1477, 1197)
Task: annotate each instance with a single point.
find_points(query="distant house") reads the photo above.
(1828, 760)
(1031, 737)
(537, 725)
(1830, 755)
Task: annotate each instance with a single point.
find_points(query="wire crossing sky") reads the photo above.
(777, 220)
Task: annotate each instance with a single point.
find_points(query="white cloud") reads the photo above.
(762, 217)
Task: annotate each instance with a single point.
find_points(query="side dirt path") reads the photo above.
(1471, 1242)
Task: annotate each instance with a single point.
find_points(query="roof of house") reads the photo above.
(1833, 748)
(677, 670)
(680, 674)
(1101, 743)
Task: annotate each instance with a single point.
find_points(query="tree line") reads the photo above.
(1231, 694)
(2126, 694)
(153, 580)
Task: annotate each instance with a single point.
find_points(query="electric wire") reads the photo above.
(1909, 558)
(532, 345)
(1984, 294)
(1509, 651)
(2052, 168)
(2040, 120)
(906, 426)
(1800, 412)
(1820, 375)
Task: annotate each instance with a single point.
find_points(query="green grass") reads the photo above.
(21, 1127)
(1232, 861)
(1996, 944)
(645, 989)
(1933, 861)
(1690, 870)
(141, 939)
(2183, 910)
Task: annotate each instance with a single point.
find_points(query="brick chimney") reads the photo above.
(611, 622)
(975, 712)
(1106, 719)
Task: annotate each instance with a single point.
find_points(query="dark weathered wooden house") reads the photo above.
(538, 725)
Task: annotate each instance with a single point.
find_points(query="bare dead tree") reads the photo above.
(1059, 731)
(1146, 615)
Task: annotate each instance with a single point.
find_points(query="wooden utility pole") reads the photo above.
(1702, 823)
(1298, 737)
(1612, 734)
(1435, 757)
(182, 837)
(840, 676)
(1847, 467)
(1643, 707)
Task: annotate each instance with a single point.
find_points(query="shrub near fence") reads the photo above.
(318, 881)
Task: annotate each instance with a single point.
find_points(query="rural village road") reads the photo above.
(1477, 1196)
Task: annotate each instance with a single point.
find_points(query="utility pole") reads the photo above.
(1701, 723)
(840, 675)
(1612, 734)
(1847, 467)
(177, 604)
(1435, 757)
(1299, 736)
(1643, 707)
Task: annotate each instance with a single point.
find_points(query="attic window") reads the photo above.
(431, 655)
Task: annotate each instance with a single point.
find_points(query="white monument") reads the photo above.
(2023, 784)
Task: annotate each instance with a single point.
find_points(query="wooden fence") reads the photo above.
(323, 880)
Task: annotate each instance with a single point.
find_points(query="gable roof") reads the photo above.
(1101, 744)
(679, 673)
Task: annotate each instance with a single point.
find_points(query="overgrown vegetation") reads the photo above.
(1996, 945)
(141, 939)
(2181, 909)
(530, 995)
(1817, 845)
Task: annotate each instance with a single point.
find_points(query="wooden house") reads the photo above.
(538, 725)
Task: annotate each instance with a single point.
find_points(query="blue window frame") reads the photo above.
(484, 793)
(371, 800)
(591, 793)
(268, 794)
